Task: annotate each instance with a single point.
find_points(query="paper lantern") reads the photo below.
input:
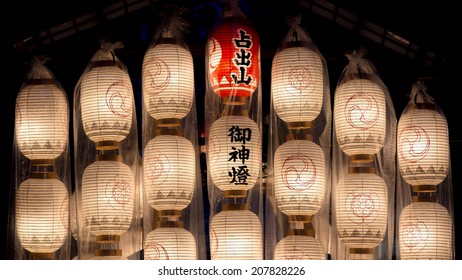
(361, 208)
(106, 97)
(108, 191)
(423, 145)
(41, 122)
(170, 243)
(360, 117)
(425, 232)
(234, 151)
(42, 215)
(299, 247)
(234, 58)
(236, 235)
(297, 82)
(299, 177)
(168, 81)
(169, 172)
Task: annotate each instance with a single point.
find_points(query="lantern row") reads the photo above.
(331, 182)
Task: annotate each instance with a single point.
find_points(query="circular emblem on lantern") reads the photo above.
(234, 58)
(415, 144)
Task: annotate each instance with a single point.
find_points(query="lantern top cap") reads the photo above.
(172, 28)
(419, 98)
(39, 74)
(232, 9)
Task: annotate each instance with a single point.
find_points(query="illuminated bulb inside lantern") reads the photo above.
(42, 215)
(234, 152)
(236, 235)
(170, 243)
(423, 146)
(360, 117)
(297, 83)
(299, 247)
(425, 232)
(169, 172)
(299, 177)
(168, 81)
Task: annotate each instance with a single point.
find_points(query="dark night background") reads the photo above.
(431, 28)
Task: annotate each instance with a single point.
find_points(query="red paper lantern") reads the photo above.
(234, 58)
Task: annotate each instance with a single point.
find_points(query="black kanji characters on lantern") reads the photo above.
(243, 58)
(239, 135)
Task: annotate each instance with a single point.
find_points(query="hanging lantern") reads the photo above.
(360, 117)
(234, 152)
(423, 145)
(297, 82)
(234, 58)
(425, 232)
(169, 175)
(361, 210)
(236, 235)
(42, 215)
(299, 177)
(299, 247)
(108, 191)
(168, 81)
(170, 243)
(41, 122)
(106, 97)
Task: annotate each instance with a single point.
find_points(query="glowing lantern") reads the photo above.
(235, 153)
(170, 243)
(299, 247)
(297, 82)
(234, 58)
(423, 145)
(168, 81)
(106, 97)
(425, 232)
(108, 191)
(41, 122)
(42, 213)
(361, 211)
(360, 117)
(169, 175)
(236, 235)
(299, 177)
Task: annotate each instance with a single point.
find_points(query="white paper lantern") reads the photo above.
(42, 215)
(41, 122)
(108, 191)
(169, 172)
(234, 151)
(299, 247)
(170, 243)
(360, 117)
(299, 177)
(168, 81)
(423, 146)
(297, 83)
(425, 232)
(361, 209)
(236, 235)
(106, 97)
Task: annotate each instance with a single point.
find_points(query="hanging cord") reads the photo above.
(419, 93)
(294, 23)
(110, 47)
(38, 69)
(358, 63)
